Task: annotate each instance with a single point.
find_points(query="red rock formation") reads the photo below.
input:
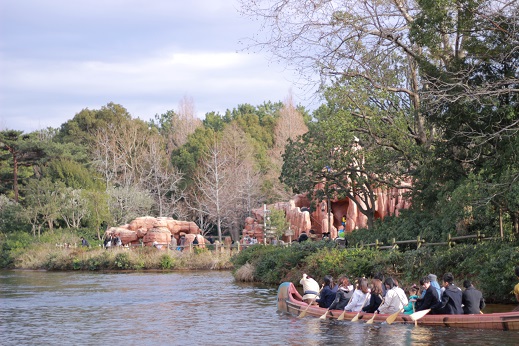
(302, 218)
(149, 229)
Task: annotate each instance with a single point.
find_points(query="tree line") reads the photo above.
(104, 168)
(428, 89)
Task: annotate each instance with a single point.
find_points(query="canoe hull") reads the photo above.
(290, 301)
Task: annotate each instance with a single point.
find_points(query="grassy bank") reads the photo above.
(489, 265)
(24, 252)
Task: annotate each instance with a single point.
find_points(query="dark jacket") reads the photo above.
(429, 300)
(374, 303)
(472, 300)
(327, 296)
(450, 303)
(342, 297)
(302, 237)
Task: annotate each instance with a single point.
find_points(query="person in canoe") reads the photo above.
(430, 298)
(413, 295)
(394, 300)
(472, 299)
(375, 298)
(328, 292)
(360, 296)
(310, 289)
(343, 295)
(450, 301)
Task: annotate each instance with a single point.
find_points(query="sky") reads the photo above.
(58, 57)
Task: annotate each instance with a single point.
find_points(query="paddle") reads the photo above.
(415, 316)
(393, 317)
(370, 321)
(356, 317)
(302, 314)
(324, 315)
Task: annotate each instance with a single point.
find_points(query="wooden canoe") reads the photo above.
(291, 302)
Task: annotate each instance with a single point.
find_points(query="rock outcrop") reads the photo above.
(302, 217)
(149, 230)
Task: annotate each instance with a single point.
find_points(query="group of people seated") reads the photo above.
(385, 296)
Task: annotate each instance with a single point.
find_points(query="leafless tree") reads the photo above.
(290, 125)
(183, 123)
(227, 183)
(162, 180)
(213, 182)
(74, 207)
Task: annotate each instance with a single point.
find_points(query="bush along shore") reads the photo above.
(489, 265)
(21, 251)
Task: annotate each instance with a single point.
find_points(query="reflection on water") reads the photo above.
(192, 308)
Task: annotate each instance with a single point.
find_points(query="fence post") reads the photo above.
(449, 240)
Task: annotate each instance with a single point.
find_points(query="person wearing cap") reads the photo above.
(310, 289)
(472, 299)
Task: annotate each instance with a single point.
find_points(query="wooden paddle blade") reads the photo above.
(324, 315)
(392, 317)
(415, 316)
(356, 317)
(370, 321)
(341, 316)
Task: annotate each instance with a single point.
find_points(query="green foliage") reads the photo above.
(167, 262)
(274, 263)
(411, 224)
(478, 262)
(122, 260)
(73, 174)
(81, 128)
(278, 222)
(11, 245)
(10, 220)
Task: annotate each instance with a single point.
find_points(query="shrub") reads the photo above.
(122, 260)
(166, 262)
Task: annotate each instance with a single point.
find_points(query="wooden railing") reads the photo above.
(451, 241)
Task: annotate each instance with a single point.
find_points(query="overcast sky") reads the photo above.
(58, 57)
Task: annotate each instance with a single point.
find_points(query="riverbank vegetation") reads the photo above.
(60, 251)
(477, 262)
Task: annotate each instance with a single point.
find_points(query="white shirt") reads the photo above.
(394, 301)
(358, 300)
(311, 285)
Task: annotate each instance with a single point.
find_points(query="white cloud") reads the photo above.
(58, 57)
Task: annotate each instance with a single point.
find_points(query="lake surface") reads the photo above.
(186, 308)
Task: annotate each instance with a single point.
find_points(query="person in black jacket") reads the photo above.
(472, 299)
(327, 295)
(430, 299)
(450, 302)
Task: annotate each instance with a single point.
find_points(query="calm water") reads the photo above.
(192, 308)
